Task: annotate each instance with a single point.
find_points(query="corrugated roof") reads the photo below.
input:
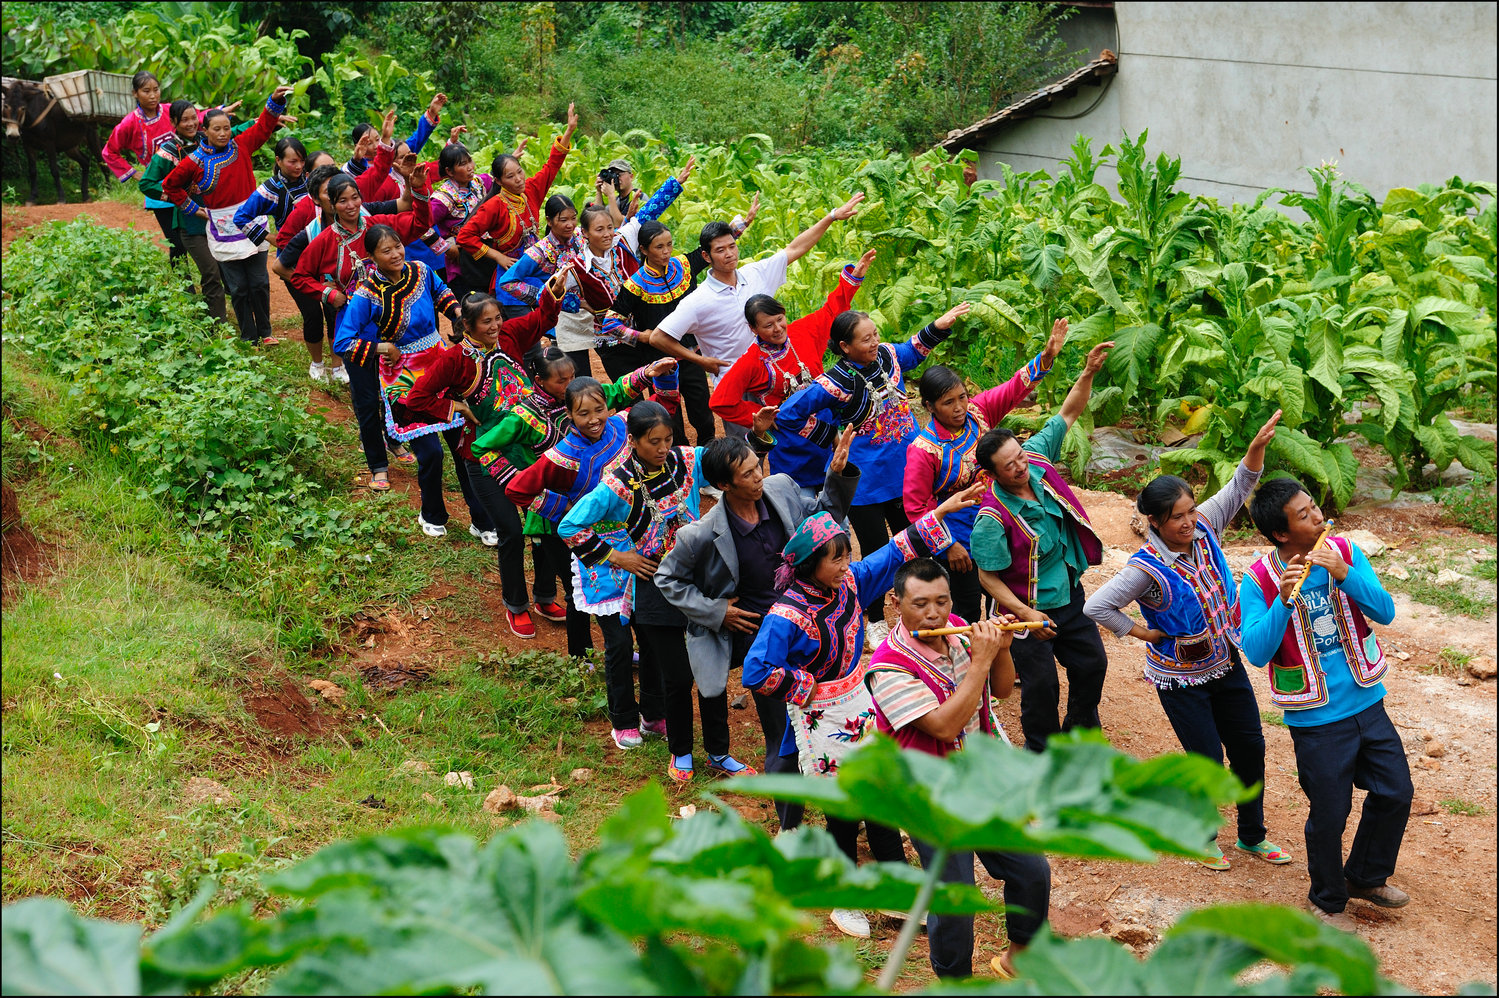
(1094, 72)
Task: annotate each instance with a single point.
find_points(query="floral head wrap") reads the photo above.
(815, 531)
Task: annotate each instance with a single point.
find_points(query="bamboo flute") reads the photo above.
(1306, 569)
(1019, 625)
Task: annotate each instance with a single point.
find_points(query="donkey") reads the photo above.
(35, 117)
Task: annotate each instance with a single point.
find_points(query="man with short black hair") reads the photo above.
(1325, 670)
(721, 572)
(1032, 542)
(932, 693)
(714, 311)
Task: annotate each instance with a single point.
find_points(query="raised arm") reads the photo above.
(912, 353)
(1077, 398)
(1223, 506)
(266, 124)
(799, 247)
(999, 400)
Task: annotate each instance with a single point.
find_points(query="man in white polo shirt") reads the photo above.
(714, 311)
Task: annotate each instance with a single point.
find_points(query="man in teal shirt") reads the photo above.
(1032, 543)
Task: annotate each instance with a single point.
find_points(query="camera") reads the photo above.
(610, 176)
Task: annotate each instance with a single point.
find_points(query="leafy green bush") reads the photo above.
(196, 417)
(1474, 505)
(709, 904)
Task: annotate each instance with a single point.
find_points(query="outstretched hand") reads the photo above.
(572, 122)
(1054, 344)
(962, 500)
(278, 95)
(662, 367)
(1096, 356)
(388, 126)
(434, 108)
(849, 208)
(840, 452)
(862, 267)
(454, 132)
(754, 209)
(1254, 458)
(946, 319)
(764, 419)
(686, 171)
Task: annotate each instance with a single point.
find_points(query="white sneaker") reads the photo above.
(339, 373)
(875, 634)
(431, 529)
(317, 371)
(711, 492)
(488, 538)
(850, 923)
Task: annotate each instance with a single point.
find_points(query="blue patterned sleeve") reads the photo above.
(659, 201)
(357, 322)
(916, 350)
(601, 505)
(767, 668)
(876, 574)
(249, 216)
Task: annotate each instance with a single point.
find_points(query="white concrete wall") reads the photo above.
(1249, 94)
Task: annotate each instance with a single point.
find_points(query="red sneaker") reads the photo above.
(553, 610)
(520, 624)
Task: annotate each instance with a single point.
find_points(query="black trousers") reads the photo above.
(167, 219)
(1361, 751)
(1027, 880)
(210, 282)
(249, 286)
(1220, 715)
(1078, 649)
(369, 410)
(667, 648)
(428, 451)
(317, 315)
(874, 524)
(790, 813)
(560, 564)
(619, 678)
(884, 841)
(505, 521)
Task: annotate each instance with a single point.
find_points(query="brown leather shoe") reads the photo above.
(1337, 919)
(1384, 895)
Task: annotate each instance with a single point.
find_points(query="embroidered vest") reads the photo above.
(1296, 675)
(1198, 610)
(1023, 572)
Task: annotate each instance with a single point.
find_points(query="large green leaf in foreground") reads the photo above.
(1079, 798)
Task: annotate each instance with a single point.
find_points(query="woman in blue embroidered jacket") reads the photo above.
(1186, 592)
(392, 316)
(629, 522)
(554, 483)
(808, 651)
(866, 388)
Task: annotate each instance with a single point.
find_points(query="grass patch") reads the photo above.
(1274, 718)
(1453, 805)
(1450, 662)
(1474, 505)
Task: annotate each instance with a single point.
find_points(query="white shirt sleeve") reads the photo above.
(766, 276)
(680, 322)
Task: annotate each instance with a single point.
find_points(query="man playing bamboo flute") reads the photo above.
(930, 694)
(1325, 670)
(1032, 542)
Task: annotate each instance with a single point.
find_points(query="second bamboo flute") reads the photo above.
(1019, 625)
(1307, 569)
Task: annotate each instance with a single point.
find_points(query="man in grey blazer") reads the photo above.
(721, 569)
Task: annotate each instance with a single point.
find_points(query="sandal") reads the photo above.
(680, 774)
(1267, 851)
(379, 485)
(730, 766)
(269, 341)
(404, 455)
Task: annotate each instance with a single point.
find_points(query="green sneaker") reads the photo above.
(1267, 851)
(1215, 860)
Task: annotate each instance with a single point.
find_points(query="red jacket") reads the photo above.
(747, 385)
(211, 178)
(331, 261)
(503, 219)
(136, 135)
(455, 376)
